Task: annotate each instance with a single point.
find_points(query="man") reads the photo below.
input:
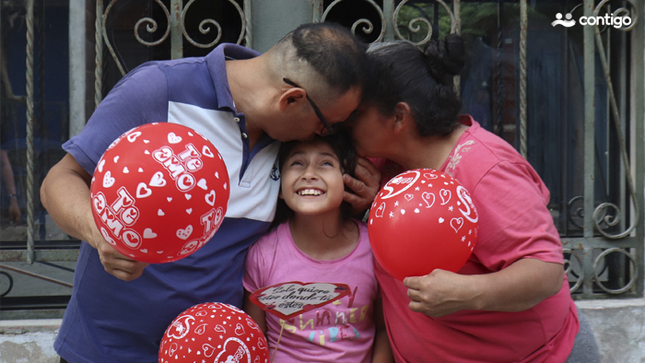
(244, 103)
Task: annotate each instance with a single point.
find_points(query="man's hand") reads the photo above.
(365, 186)
(115, 263)
(65, 193)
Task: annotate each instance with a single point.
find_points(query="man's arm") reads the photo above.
(65, 194)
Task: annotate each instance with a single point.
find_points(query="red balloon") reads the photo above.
(159, 192)
(213, 332)
(421, 220)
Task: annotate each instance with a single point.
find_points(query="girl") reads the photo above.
(314, 239)
(511, 301)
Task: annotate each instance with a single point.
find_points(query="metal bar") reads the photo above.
(317, 9)
(38, 276)
(523, 98)
(98, 57)
(619, 134)
(248, 36)
(637, 116)
(40, 255)
(176, 40)
(589, 144)
(456, 7)
(388, 14)
(30, 129)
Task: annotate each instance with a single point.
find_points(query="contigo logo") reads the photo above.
(607, 20)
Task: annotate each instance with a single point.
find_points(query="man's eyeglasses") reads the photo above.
(328, 130)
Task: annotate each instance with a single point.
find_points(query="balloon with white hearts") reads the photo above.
(213, 332)
(422, 219)
(159, 192)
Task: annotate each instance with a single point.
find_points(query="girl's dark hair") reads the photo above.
(341, 143)
(422, 79)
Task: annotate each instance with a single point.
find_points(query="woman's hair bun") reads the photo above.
(446, 57)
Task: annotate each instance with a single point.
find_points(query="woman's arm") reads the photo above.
(520, 286)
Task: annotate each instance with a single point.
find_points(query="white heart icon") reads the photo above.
(126, 170)
(133, 136)
(101, 163)
(148, 233)
(174, 139)
(160, 213)
(143, 191)
(210, 198)
(189, 210)
(207, 151)
(108, 180)
(202, 184)
(116, 159)
(157, 180)
(185, 233)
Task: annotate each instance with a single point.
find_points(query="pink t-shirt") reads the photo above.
(514, 223)
(342, 331)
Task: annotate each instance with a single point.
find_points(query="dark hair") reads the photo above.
(333, 51)
(422, 79)
(341, 143)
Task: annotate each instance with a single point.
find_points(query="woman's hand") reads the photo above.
(518, 287)
(365, 186)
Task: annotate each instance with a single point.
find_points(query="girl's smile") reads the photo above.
(312, 179)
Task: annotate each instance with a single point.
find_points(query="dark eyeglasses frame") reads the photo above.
(329, 130)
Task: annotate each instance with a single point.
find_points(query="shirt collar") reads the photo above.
(216, 61)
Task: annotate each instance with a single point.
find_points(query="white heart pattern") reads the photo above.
(379, 212)
(207, 151)
(210, 198)
(143, 191)
(185, 233)
(157, 180)
(174, 139)
(445, 195)
(108, 180)
(457, 223)
(202, 184)
(148, 233)
(133, 136)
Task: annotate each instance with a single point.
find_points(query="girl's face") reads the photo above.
(312, 179)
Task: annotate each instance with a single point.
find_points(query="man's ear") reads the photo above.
(402, 117)
(290, 96)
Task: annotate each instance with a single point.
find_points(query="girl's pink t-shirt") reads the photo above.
(514, 223)
(342, 331)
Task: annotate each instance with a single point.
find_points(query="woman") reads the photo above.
(511, 301)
